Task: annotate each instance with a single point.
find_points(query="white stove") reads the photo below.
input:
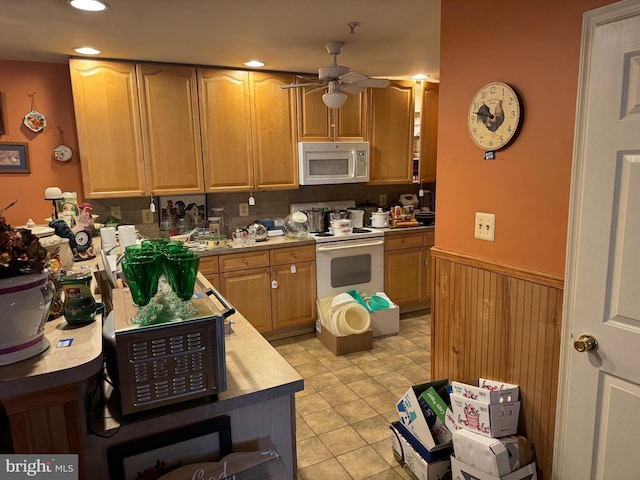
(323, 237)
(347, 262)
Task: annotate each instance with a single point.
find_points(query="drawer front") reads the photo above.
(399, 242)
(287, 256)
(209, 265)
(242, 261)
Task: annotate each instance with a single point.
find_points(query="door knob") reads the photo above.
(586, 343)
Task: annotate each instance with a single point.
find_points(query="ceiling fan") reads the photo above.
(339, 79)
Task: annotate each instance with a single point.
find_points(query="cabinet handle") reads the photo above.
(244, 260)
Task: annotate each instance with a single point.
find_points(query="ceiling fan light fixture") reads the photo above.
(334, 99)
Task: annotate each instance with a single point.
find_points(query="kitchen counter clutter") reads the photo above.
(47, 399)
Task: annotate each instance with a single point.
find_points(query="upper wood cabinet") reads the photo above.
(317, 122)
(225, 118)
(170, 129)
(429, 132)
(138, 128)
(391, 119)
(105, 99)
(248, 130)
(273, 132)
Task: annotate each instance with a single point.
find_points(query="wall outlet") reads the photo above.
(485, 226)
(147, 216)
(382, 200)
(116, 212)
(243, 208)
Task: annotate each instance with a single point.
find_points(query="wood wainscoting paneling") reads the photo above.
(499, 322)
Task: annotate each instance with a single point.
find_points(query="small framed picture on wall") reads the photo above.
(14, 157)
(2, 131)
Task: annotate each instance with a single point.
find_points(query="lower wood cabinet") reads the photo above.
(274, 289)
(293, 287)
(407, 270)
(249, 291)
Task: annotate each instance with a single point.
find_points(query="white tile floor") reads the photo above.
(344, 412)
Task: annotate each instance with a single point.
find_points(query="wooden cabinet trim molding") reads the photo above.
(543, 278)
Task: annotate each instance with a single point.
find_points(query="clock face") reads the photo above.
(494, 115)
(82, 238)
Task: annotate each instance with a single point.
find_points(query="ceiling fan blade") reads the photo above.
(321, 87)
(352, 77)
(353, 88)
(300, 85)
(355, 82)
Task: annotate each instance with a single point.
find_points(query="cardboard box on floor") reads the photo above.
(462, 470)
(496, 456)
(411, 460)
(385, 322)
(346, 344)
(491, 420)
(412, 417)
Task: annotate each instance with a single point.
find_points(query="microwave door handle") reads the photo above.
(344, 247)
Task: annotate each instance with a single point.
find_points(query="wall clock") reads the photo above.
(494, 116)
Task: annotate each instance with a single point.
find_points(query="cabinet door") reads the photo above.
(293, 294)
(108, 124)
(403, 275)
(392, 112)
(249, 291)
(350, 120)
(225, 120)
(429, 132)
(273, 131)
(317, 122)
(171, 128)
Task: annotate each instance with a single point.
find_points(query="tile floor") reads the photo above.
(343, 414)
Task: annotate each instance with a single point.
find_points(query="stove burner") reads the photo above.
(361, 230)
(323, 234)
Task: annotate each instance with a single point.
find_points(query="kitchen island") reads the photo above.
(46, 400)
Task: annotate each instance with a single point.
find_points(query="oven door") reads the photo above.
(350, 265)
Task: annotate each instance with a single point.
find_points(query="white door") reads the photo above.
(598, 423)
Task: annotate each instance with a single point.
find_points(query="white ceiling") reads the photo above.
(395, 39)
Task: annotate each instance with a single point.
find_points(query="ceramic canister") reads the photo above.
(380, 219)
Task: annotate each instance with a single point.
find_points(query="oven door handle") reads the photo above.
(344, 247)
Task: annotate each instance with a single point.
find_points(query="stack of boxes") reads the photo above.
(420, 441)
(477, 422)
(485, 420)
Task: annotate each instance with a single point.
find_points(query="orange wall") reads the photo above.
(535, 47)
(52, 87)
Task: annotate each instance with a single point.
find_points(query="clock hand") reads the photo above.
(485, 114)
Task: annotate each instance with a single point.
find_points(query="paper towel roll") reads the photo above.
(107, 238)
(127, 234)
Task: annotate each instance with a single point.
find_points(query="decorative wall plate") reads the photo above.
(62, 153)
(35, 121)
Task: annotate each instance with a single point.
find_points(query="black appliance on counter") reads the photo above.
(168, 362)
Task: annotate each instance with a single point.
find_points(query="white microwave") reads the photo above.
(323, 163)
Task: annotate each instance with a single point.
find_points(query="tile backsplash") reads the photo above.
(268, 204)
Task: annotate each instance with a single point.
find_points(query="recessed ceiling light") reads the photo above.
(254, 63)
(87, 51)
(88, 5)
(420, 76)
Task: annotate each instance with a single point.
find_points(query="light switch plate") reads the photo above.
(243, 209)
(147, 216)
(485, 226)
